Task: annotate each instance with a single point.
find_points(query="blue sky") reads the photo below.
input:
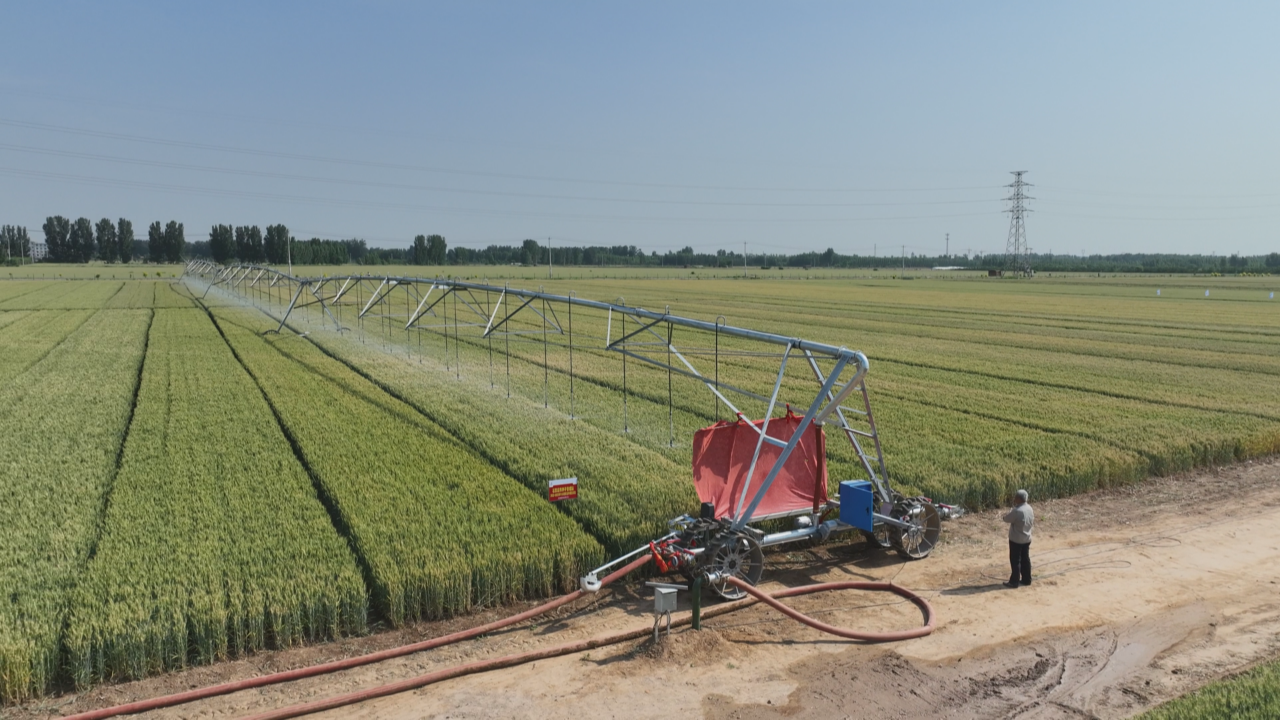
(1146, 127)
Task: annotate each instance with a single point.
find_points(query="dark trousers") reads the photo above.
(1020, 562)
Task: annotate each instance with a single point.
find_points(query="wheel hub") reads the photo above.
(740, 556)
(925, 527)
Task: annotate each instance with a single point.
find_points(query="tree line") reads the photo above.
(82, 241)
(15, 243)
(249, 244)
(531, 252)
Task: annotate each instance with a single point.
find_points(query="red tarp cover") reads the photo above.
(722, 456)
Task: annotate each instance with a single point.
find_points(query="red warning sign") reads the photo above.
(562, 489)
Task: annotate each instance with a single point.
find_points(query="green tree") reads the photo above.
(174, 242)
(155, 242)
(249, 244)
(81, 240)
(222, 244)
(418, 253)
(242, 242)
(530, 252)
(275, 245)
(320, 252)
(1273, 260)
(124, 238)
(255, 245)
(436, 249)
(14, 242)
(108, 249)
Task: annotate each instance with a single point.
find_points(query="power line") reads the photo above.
(435, 188)
(1178, 196)
(47, 127)
(483, 212)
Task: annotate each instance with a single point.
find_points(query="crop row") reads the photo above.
(66, 295)
(1048, 304)
(440, 529)
(1099, 329)
(1172, 438)
(214, 543)
(13, 289)
(149, 294)
(1251, 695)
(32, 335)
(63, 426)
(945, 453)
(628, 491)
(8, 317)
(1149, 379)
(1256, 355)
(1102, 336)
(1130, 438)
(1214, 353)
(948, 454)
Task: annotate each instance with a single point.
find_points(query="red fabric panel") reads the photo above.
(722, 456)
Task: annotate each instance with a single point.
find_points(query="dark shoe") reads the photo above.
(1010, 584)
(1026, 582)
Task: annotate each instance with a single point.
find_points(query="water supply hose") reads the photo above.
(436, 676)
(346, 663)
(770, 599)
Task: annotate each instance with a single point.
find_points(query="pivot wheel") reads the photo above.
(739, 556)
(917, 541)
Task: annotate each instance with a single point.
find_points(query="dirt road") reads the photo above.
(1141, 594)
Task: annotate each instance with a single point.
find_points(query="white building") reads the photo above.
(39, 251)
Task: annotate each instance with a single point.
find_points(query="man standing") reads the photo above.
(1021, 518)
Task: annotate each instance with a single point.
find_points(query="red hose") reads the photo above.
(569, 648)
(345, 663)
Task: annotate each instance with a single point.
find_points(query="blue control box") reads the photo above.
(856, 502)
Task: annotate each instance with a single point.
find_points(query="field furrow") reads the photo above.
(628, 491)
(149, 294)
(214, 543)
(33, 335)
(63, 426)
(440, 529)
(66, 295)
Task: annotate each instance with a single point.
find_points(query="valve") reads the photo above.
(670, 557)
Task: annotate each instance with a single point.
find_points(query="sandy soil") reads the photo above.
(1141, 594)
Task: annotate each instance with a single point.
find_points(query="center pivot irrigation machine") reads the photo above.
(751, 475)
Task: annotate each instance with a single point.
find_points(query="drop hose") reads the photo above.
(480, 666)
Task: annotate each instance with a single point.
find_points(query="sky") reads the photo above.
(799, 126)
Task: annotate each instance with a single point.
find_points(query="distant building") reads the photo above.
(39, 251)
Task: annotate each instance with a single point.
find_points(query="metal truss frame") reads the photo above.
(844, 375)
